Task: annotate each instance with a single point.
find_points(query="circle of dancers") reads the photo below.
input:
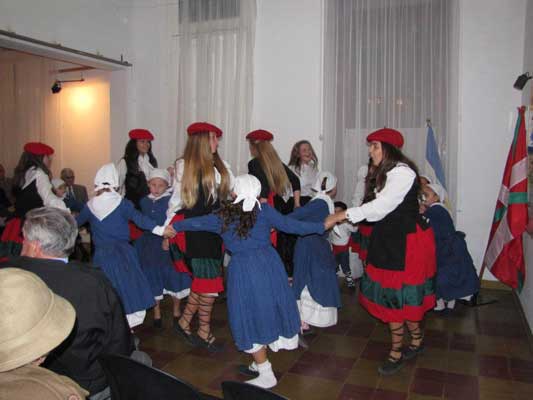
(160, 232)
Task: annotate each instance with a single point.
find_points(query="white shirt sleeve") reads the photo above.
(44, 188)
(122, 169)
(158, 230)
(174, 204)
(399, 182)
(359, 192)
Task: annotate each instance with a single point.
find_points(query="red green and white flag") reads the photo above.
(504, 256)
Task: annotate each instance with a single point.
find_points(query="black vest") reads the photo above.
(388, 240)
(27, 199)
(202, 244)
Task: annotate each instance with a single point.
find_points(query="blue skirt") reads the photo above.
(315, 267)
(120, 263)
(456, 273)
(261, 304)
(158, 268)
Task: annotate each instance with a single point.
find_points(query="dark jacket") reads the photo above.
(101, 326)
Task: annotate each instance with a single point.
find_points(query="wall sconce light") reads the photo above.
(56, 87)
(522, 80)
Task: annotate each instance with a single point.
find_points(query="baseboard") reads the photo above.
(486, 284)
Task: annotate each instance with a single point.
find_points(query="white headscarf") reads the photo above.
(57, 182)
(160, 173)
(104, 204)
(248, 188)
(331, 183)
(439, 191)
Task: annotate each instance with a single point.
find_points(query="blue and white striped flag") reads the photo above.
(433, 163)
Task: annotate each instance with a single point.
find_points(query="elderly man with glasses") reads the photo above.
(101, 326)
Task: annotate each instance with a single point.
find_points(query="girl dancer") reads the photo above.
(155, 261)
(277, 183)
(261, 306)
(398, 284)
(201, 179)
(134, 168)
(32, 189)
(315, 270)
(304, 163)
(108, 214)
(456, 275)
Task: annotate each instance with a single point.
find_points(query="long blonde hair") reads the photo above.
(272, 166)
(198, 167)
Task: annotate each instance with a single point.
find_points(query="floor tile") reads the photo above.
(469, 355)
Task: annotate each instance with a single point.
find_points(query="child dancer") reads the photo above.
(261, 306)
(315, 270)
(304, 163)
(155, 261)
(108, 214)
(456, 274)
(339, 244)
(59, 187)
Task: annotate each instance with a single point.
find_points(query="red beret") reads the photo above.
(386, 135)
(141, 134)
(38, 148)
(201, 127)
(260, 134)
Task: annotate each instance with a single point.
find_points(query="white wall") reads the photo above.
(95, 26)
(490, 60)
(287, 72)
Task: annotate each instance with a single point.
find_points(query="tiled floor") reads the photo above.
(474, 353)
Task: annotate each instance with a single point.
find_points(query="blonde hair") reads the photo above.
(272, 166)
(198, 167)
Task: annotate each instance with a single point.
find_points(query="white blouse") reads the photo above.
(399, 181)
(44, 188)
(359, 192)
(342, 235)
(144, 166)
(307, 174)
(175, 203)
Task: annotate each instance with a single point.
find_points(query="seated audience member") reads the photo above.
(41, 322)
(101, 326)
(74, 192)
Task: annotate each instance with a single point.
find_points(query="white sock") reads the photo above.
(451, 304)
(266, 378)
(440, 305)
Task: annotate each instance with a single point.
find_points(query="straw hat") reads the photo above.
(33, 320)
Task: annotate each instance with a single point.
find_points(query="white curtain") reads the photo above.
(215, 61)
(387, 63)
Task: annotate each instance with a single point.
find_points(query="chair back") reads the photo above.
(131, 380)
(244, 391)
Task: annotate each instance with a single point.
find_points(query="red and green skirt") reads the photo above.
(359, 240)
(11, 241)
(398, 296)
(206, 272)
